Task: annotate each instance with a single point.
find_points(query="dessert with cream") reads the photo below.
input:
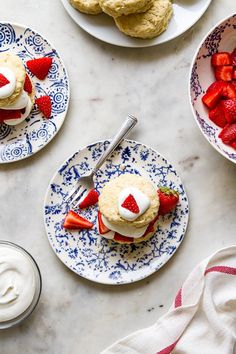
(128, 209)
(19, 282)
(17, 91)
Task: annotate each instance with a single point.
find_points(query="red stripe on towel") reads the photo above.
(168, 350)
(221, 269)
(178, 299)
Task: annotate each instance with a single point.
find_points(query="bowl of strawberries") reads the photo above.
(212, 87)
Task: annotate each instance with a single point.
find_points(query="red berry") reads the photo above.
(75, 221)
(101, 227)
(122, 239)
(217, 116)
(28, 85)
(130, 204)
(228, 133)
(90, 199)
(39, 67)
(44, 105)
(233, 57)
(222, 58)
(3, 80)
(229, 109)
(168, 200)
(6, 114)
(213, 94)
(224, 73)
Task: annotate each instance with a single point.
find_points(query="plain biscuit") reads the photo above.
(149, 24)
(108, 199)
(90, 7)
(15, 64)
(116, 8)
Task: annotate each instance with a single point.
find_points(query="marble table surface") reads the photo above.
(76, 316)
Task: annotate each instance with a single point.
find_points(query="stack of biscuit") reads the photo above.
(136, 18)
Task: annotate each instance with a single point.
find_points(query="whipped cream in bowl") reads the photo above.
(20, 284)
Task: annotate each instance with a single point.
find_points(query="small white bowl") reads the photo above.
(38, 287)
(220, 38)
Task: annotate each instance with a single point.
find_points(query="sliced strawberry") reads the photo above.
(75, 221)
(229, 109)
(28, 85)
(90, 199)
(213, 94)
(224, 73)
(101, 227)
(233, 144)
(233, 57)
(9, 114)
(168, 200)
(3, 80)
(130, 204)
(220, 59)
(39, 67)
(228, 90)
(45, 106)
(228, 133)
(123, 239)
(217, 116)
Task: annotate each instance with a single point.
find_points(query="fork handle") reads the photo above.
(126, 127)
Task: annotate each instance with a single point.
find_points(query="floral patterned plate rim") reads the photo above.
(221, 37)
(86, 252)
(25, 139)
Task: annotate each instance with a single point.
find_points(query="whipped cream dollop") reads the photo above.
(124, 230)
(17, 283)
(141, 199)
(8, 89)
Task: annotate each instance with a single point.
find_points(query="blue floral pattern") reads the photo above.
(220, 39)
(85, 251)
(23, 140)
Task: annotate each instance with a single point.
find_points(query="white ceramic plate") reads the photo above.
(23, 140)
(86, 252)
(186, 14)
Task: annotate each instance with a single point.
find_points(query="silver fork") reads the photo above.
(86, 181)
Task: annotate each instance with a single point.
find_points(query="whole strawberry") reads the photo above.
(168, 200)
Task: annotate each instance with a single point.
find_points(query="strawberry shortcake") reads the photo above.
(128, 209)
(17, 91)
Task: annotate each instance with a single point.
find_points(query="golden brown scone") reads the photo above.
(108, 199)
(90, 7)
(116, 8)
(14, 63)
(148, 24)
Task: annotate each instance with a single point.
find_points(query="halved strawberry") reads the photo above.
(9, 114)
(228, 133)
(217, 116)
(168, 200)
(101, 227)
(75, 221)
(228, 90)
(3, 80)
(28, 85)
(229, 109)
(39, 67)
(220, 59)
(234, 74)
(224, 73)
(45, 106)
(130, 204)
(90, 199)
(123, 239)
(233, 57)
(213, 94)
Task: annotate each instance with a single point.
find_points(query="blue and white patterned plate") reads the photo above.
(89, 254)
(219, 38)
(23, 140)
